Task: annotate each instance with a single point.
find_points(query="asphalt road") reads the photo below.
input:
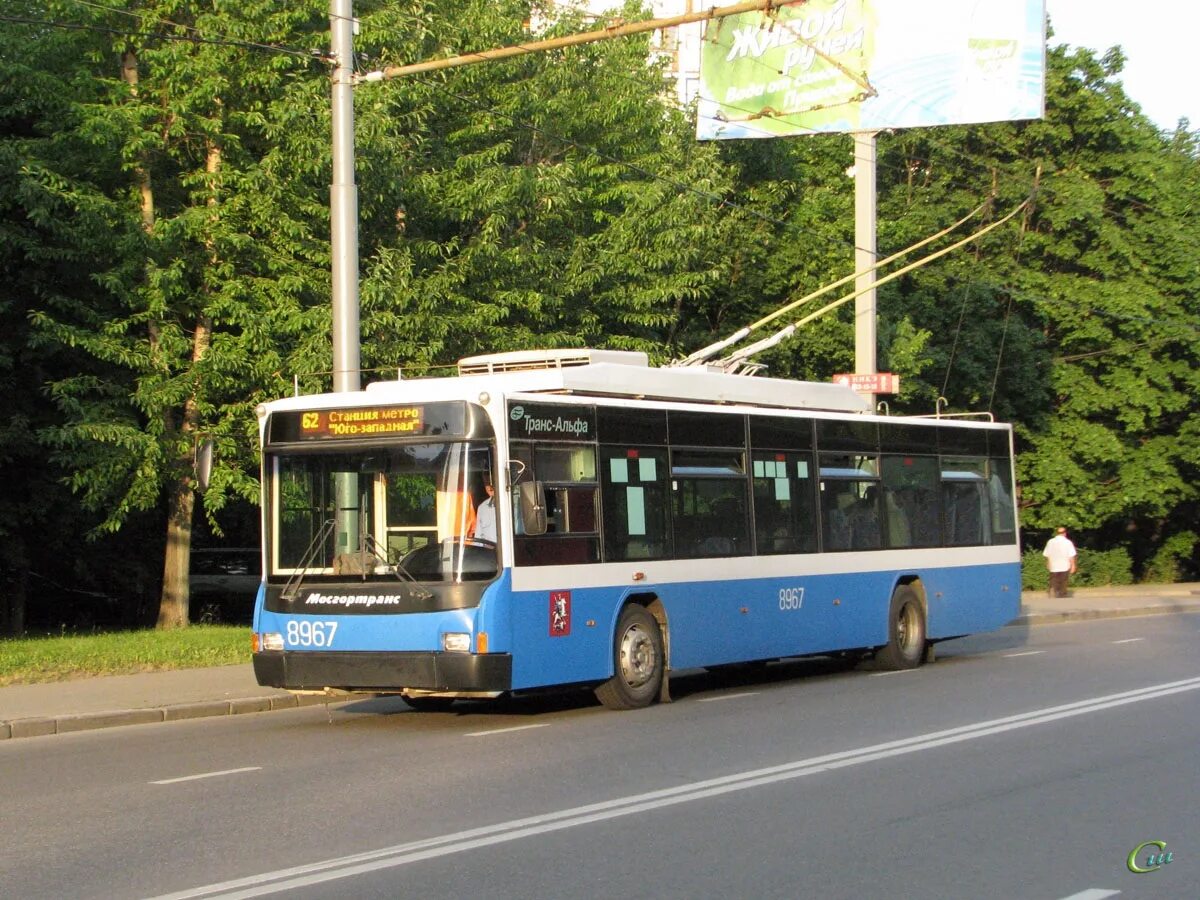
(1026, 763)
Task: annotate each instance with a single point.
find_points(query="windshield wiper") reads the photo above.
(372, 546)
(293, 586)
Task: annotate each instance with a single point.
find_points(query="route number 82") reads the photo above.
(305, 633)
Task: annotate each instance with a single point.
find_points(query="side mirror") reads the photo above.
(533, 507)
(204, 461)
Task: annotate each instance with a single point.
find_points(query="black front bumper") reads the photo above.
(384, 671)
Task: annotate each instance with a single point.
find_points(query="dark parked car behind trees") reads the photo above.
(224, 582)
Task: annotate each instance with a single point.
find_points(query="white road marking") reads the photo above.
(208, 775)
(726, 697)
(310, 874)
(1129, 641)
(897, 672)
(1024, 653)
(1092, 894)
(504, 730)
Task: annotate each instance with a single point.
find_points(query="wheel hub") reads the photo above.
(639, 656)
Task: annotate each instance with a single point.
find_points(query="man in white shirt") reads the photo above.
(485, 516)
(1060, 561)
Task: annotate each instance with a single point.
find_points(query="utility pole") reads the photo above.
(343, 204)
(343, 228)
(864, 256)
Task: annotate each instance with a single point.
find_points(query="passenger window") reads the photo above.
(710, 517)
(785, 519)
(910, 497)
(1003, 503)
(634, 481)
(568, 475)
(966, 516)
(850, 514)
(565, 464)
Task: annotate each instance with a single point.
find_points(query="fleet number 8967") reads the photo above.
(791, 598)
(306, 633)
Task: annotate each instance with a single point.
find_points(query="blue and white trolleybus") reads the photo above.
(581, 518)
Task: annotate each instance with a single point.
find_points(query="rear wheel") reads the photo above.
(906, 632)
(638, 661)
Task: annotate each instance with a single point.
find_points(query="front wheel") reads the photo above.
(638, 661)
(906, 632)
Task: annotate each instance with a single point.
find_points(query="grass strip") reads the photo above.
(39, 659)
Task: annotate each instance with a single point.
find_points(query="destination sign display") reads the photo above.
(379, 421)
(359, 423)
(441, 420)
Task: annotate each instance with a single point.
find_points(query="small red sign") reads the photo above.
(878, 383)
(560, 613)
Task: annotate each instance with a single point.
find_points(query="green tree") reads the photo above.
(164, 179)
(1077, 322)
(1081, 324)
(1111, 279)
(548, 200)
(180, 107)
(60, 230)
(501, 207)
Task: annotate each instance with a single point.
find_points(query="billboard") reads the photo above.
(867, 65)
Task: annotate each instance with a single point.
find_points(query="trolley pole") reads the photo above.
(343, 204)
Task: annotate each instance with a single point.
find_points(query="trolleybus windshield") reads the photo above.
(406, 510)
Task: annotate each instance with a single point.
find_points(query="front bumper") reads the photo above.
(384, 671)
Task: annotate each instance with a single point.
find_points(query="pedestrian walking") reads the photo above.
(1060, 561)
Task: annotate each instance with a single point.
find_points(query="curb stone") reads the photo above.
(1053, 618)
(41, 726)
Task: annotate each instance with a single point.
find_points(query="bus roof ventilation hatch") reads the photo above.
(527, 360)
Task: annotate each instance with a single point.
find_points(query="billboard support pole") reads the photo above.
(343, 204)
(343, 247)
(864, 256)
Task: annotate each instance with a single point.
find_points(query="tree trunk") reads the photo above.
(173, 606)
(173, 611)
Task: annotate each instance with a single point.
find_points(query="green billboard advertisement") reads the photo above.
(865, 65)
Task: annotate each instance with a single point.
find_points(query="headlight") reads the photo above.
(270, 640)
(456, 642)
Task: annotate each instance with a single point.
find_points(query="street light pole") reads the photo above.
(343, 204)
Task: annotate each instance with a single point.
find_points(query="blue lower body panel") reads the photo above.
(559, 636)
(718, 622)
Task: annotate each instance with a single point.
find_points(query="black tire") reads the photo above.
(430, 704)
(906, 632)
(638, 661)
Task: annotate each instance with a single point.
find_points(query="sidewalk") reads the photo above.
(1110, 602)
(32, 710)
(60, 707)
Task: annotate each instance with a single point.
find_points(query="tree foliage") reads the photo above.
(164, 179)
